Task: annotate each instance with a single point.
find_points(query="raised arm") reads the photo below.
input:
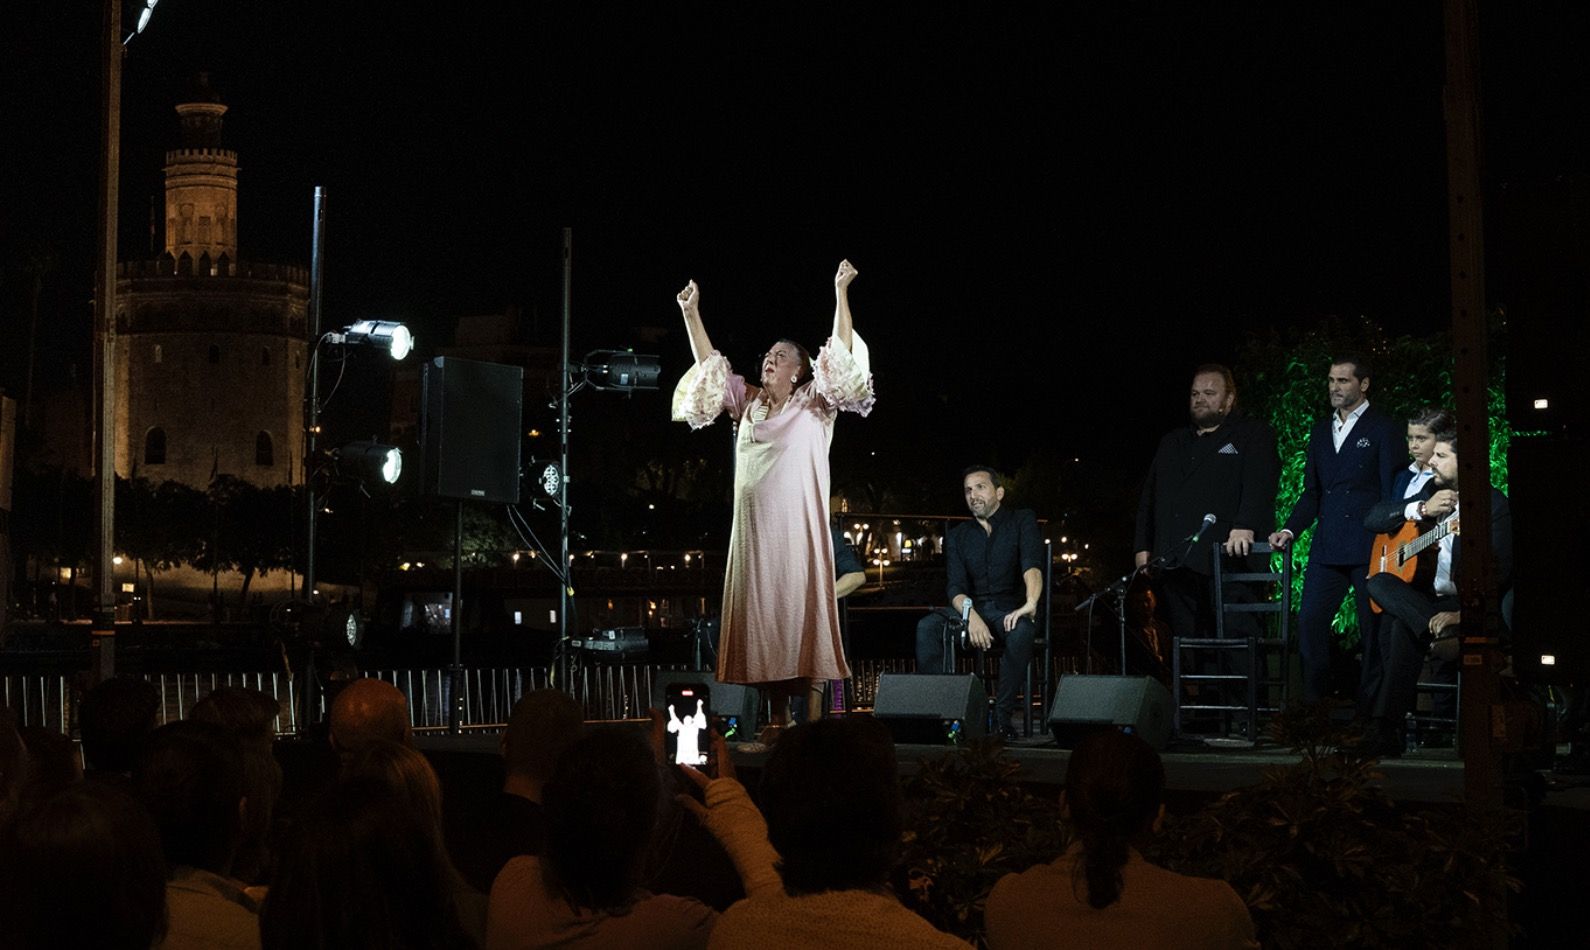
(690, 306)
(842, 279)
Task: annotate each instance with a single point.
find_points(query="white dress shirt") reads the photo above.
(1340, 428)
(1415, 485)
(1445, 584)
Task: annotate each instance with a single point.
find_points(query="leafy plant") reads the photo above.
(969, 821)
(1321, 853)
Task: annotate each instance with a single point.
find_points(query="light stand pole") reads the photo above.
(312, 403)
(102, 639)
(565, 570)
(455, 672)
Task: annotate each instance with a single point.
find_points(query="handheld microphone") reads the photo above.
(1209, 519)
(966, 616)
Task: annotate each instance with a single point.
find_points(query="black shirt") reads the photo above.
(1229, 472)
(845, 560)
(989, 565)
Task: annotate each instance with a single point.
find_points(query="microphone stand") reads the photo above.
(1117, 591)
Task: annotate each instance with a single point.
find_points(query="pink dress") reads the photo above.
(780, 620)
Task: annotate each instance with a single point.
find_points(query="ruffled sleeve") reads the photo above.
(842, 378)
(708, 388)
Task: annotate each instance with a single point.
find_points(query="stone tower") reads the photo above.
(211, 347)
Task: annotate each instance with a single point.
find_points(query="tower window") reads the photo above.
(159, 354)
(215, 353)
(263, 454)
(264, 356)
(155, 447)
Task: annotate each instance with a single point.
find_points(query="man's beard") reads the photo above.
(1206, 418)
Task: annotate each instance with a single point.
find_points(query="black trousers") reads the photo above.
(1404, 634)
(1324, 586)
(1017, 643)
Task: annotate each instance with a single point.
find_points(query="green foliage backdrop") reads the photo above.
(1281, 377)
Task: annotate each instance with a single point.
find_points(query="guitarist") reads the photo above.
(1426, 610)
(1408, 489)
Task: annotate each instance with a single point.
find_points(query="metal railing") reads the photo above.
(604, 691)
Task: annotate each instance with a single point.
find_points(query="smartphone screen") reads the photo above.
(689, 710)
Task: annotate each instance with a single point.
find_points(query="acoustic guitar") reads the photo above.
(1398, 552)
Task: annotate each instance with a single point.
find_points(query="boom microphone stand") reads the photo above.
(1117, 591)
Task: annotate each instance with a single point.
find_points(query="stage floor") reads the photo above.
(1424, 775)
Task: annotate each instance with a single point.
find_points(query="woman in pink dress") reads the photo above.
(780, 622)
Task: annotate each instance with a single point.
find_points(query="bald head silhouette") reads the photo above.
(369, 709)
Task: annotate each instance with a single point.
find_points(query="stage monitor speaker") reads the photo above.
(470, 416)
(1138, 704)
(737, 707)
(932, 709)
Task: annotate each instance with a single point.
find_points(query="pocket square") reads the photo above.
(1228, 449)
(1364, 442)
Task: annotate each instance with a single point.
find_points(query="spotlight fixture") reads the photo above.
(342, 627)
(371, 461)
(146, 9)
(621, 370)
(551, 479)
(393, 337)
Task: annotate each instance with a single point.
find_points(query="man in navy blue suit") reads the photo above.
(1352, 462)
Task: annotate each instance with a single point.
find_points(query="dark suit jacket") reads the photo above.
(1230, 473)
(1400, 485)
(1388, 516)
(1339, 488)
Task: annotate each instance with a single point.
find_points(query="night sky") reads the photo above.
(1057, 210)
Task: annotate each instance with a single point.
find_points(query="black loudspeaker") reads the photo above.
(932, 709)
(1138, 704)
(470, 416)
(742, 704)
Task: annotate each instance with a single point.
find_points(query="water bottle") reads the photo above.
(1410, 734)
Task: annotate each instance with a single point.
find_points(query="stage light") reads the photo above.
(1543, 404)
(393, 337)
(146, 10)
(371, 461)
(342, 625)
(621, 370)
(551, 479)
(1546, 659)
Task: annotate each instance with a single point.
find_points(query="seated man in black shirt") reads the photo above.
(995, 561)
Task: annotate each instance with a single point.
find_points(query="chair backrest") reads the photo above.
(1276, 574)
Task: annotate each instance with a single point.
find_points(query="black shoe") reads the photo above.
(1007, 732)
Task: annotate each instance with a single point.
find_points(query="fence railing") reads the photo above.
(604, 691)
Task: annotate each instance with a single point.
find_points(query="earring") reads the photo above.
(794, 379)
